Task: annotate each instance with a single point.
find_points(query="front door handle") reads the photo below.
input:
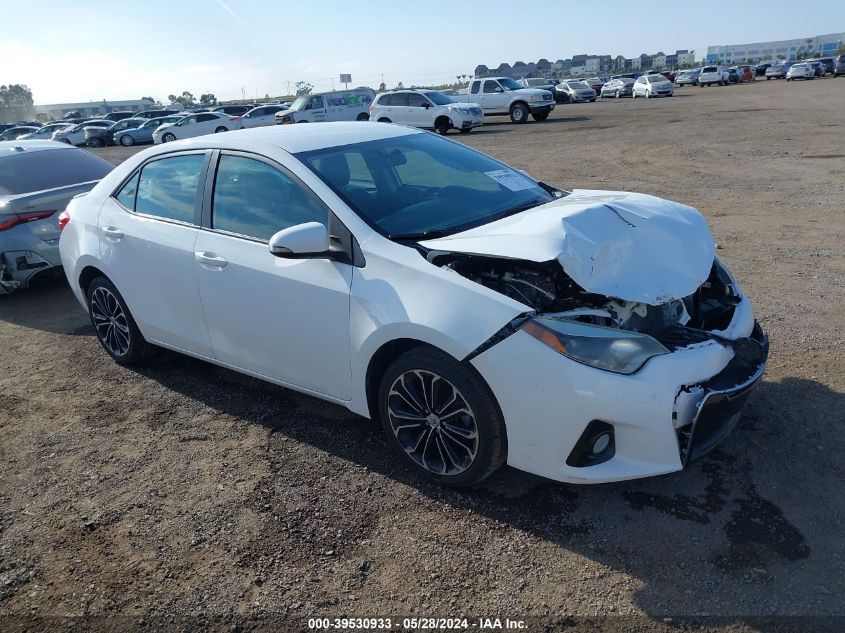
(112, 232)
(210, 260)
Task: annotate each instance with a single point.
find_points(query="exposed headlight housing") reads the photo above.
(610, 349)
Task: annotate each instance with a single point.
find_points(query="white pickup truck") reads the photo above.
(503, 95)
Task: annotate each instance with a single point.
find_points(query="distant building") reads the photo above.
(91, 108)
(685, 57)
(781, 49)
(659, 60)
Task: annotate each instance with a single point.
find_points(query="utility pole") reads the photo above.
(288, 92)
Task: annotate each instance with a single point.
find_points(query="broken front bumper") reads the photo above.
(548, 402)
(722, 398)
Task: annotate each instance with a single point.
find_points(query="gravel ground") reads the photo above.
(183, 495)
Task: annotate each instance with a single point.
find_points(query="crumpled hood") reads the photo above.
(631, 246)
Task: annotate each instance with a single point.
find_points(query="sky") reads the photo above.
(89, 50)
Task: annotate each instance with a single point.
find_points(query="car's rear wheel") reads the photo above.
(96, 142)
(519, 113)
(116, 329)
(221, 129)
(441, 418)
(127, 141)
(169, 137)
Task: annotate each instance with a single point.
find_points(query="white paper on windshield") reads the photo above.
(510, 179)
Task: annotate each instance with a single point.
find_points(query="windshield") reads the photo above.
(509, 84)
(577, 85)
(47, 169)
(708, 69)
(438, 98)
(656, 78)
(300, 102)
(421, 185)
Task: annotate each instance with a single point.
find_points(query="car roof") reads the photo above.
(295, 138)
(16, 147)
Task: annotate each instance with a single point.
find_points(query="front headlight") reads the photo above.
(605, 348)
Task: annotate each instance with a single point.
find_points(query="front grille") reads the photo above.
(726, 394)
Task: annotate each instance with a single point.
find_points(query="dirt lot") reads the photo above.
(182, 494)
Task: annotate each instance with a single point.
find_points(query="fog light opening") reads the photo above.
(597, 444)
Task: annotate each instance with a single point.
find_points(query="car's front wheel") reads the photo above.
(127, 141)
(441, 418)
(519, 113)
(221, 129)
(617, 94)
(116, 329)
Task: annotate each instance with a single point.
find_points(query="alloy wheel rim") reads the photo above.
(433, 422)
(110, 321)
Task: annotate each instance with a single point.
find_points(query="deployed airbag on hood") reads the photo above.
(631, 246)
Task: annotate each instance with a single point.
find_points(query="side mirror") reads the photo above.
(301, 241)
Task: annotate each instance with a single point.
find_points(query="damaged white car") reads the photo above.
(483, 317)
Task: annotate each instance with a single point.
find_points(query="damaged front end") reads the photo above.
(622, 336)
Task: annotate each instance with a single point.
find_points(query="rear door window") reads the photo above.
(168, 187)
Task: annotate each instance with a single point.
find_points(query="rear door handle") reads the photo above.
(112, 232)
(211, 261)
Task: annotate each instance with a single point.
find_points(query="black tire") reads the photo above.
(127, 141)
(96, 142)
(168, 137)
(363, 117)
(137, 349)
(519, 113)
(491, 442)
(384, 119)
(221, 129)
(442, 125)
(617, 95)
(540, 116)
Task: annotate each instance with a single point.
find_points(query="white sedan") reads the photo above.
(482, 316)
(653, 86)
(800, 71)
(75, 135)
(262, 115)
(196, 125)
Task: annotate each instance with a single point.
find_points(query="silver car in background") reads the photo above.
(37, 181)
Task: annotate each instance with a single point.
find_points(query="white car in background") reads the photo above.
(262, 115)
(196, 125)
(713, 75)
(426, 109)
(800, 71)
(76, 135)
(46, 132)
(482, 316)
(655, 85)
